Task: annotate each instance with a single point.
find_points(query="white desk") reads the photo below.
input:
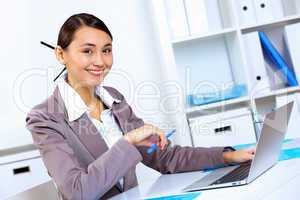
(280, 182)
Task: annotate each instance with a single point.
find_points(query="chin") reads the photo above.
(95, 82)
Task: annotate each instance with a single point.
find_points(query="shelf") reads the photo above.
(205, 58)
(204, 36)
(279, 92)
(20, 156)
(218, 104)
(274, 23)
(243, 99)
(19, 149)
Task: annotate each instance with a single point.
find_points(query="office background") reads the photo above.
(161, 53)
(30, 67)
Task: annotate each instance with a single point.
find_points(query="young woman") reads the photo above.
(89, 138)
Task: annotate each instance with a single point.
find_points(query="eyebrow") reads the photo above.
(93, 45)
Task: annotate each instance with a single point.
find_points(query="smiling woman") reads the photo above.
(89, 137)
(85, 48)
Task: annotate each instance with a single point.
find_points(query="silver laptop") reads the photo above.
(268, 150)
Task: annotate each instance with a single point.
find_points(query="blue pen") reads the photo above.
(154, 146)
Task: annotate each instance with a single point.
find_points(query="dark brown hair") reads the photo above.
(73, 23)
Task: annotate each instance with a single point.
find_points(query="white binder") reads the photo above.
(293, 127)
(292, 40)
(177, 18)
(291, 7)
(197, 16)
(256, 64)
(215, 22)
(297, 5)
(268, 10)
(246, 12)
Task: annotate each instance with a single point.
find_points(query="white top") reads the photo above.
(75, 106)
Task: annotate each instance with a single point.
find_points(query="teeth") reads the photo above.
(95, 72)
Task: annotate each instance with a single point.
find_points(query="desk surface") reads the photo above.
(280, 182)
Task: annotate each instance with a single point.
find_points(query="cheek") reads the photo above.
(81, 62)
(109, 63)
(77, 67)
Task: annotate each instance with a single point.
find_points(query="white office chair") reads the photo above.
(60, 197)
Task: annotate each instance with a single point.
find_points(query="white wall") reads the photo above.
(28, 68)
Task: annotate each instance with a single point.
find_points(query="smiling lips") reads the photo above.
(95, 72)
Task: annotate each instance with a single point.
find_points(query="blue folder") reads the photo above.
(211, 97)
(185, 196)
(288, 154)
(277, 59)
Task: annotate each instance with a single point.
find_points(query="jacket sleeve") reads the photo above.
(73, 181)
(172, 159)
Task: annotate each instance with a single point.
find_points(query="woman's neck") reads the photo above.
(86, 93)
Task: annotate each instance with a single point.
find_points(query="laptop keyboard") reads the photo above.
(237, 174)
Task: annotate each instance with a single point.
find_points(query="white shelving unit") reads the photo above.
(207, 45)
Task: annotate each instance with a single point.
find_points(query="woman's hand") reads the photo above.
(147, 135)
(239, 156)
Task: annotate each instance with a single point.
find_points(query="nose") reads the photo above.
(98, 60)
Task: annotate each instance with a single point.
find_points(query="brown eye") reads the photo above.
(87, 51)
(106, 51)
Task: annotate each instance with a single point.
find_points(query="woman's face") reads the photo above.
(88, 58)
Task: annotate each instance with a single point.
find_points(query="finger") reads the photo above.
(163, 141)
(162, 145)
(251, 150)
(251, 157)
(162, 138)
(166, 143)
(153, 138)
(248, 156)
(159, 144)
(144, 143)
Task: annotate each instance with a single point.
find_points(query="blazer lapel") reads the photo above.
(89, 135)
(118, 113)
(123, 113)
(125, 117)
(84, 129)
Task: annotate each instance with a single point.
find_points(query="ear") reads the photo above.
(59, 53)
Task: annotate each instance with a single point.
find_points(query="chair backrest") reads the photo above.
(60, 196)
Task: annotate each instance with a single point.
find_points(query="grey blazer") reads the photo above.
(80, 163)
